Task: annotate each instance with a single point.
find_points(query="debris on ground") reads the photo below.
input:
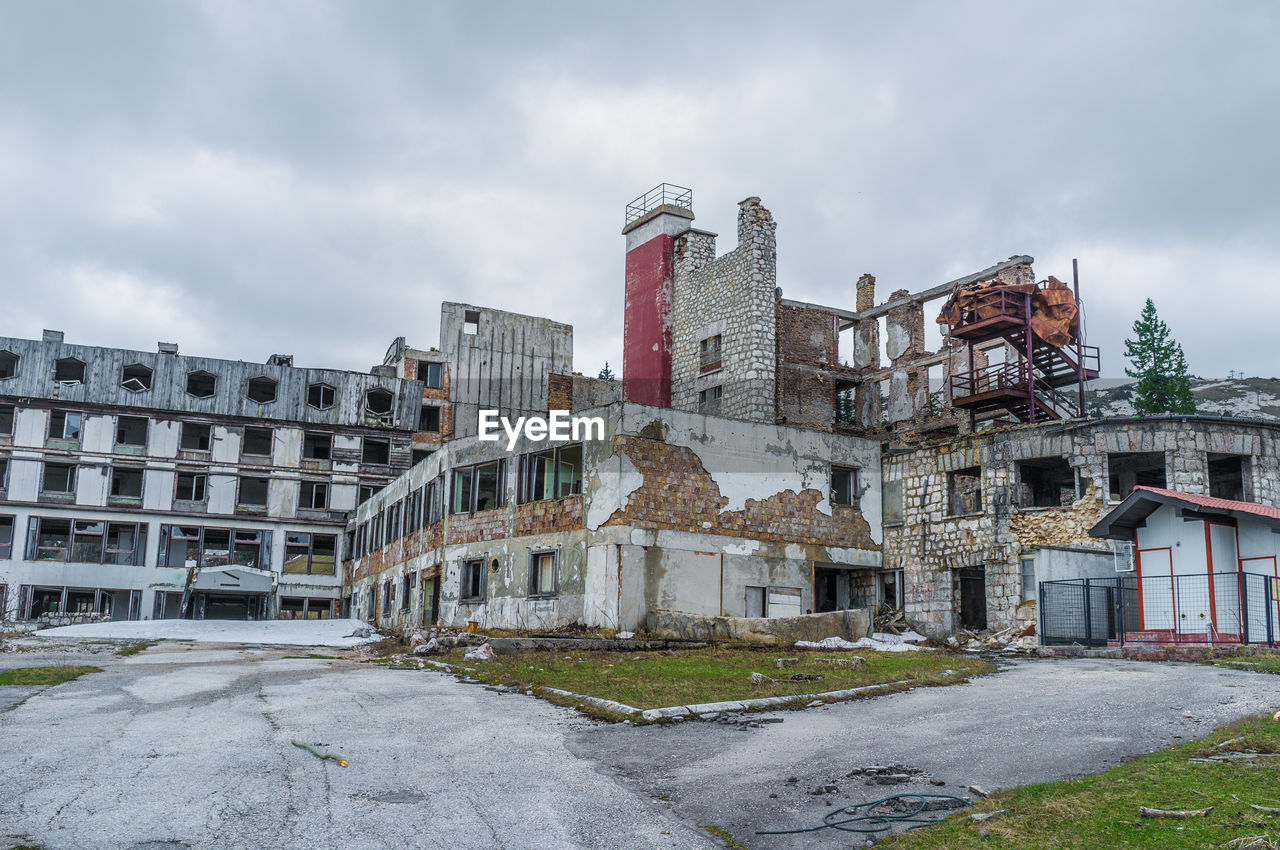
(805, 677)
(315, 751)
(1005, 641)
(759, 680)
(1269, 809)
(483, 652)
(1170, 813)
(785, 662)
(849, 661)
(885, 774)
(1251, 842)
(891, 620)
(979, 791)
(740, 721)
(880, 641)
(879, 815)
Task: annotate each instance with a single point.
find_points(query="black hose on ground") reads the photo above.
(848, 819)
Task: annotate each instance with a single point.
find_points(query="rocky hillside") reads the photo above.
(1256, 398)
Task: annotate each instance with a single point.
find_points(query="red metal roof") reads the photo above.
(1215, 503)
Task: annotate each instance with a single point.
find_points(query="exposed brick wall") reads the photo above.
(679, 494)
(559, 392)
(807, 349)
(549, 516)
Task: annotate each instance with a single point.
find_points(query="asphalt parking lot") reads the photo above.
(190, 746)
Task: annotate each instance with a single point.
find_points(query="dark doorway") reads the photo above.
(825, 590)
(973, 598)
(430, 601)
(231, 607)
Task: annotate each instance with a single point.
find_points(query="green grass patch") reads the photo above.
(1257, 663)
(53, 675)
(1102, 810)
(657, 679)
(134, 648)
(313, 655)
(724, 835)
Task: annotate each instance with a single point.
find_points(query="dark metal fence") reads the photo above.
(1240, 608)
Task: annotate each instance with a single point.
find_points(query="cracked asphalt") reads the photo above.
(190, 746)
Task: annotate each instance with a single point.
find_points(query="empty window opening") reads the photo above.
(844, 485)
(377, 405)
(320, 396)
(315, 496)
(195, 436)
(262, 390)
(53, 538)
(4, 473)
(417, 456)
(68, 370)
(253, 492)
(1229, 477)
(64, 425)
(310, 554)
(136, 377)
(964, 491)
(1127, 470)
(709, 353)
(431, 374)
(131, 431)
(6, 536)
(317, 445)
(366, 493)
(8, 364)
(6, 418)
(1047, 482)
(59, 478)
(375, 451)
(201, 384)
(709, 399)
(191, 487)
(126, 483)
(542, 574)
(889, 588)
(472, 581)
(257, 441)
(471, 322)
(429, 419)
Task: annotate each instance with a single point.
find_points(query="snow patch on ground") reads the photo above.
(880, 641)
(339, 633)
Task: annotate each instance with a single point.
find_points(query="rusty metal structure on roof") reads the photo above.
(1039, 324)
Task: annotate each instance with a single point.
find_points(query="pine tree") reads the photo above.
(606, 374)
(1159, 365)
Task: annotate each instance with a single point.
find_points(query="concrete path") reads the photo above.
(189, 746)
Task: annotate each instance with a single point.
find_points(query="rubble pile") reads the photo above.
(1005, 641)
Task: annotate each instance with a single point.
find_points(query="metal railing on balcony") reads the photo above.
(664, 194)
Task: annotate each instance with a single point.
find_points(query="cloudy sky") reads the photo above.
(315, 178)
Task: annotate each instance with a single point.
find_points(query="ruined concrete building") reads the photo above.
(761, 457)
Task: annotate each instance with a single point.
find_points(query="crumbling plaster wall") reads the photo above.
(733, 296)
(929, 543)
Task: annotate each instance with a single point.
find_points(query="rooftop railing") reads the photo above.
(664, 194)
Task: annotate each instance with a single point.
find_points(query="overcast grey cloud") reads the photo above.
(315, 178)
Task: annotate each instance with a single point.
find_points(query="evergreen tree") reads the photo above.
(606, 374)
(1159, 365)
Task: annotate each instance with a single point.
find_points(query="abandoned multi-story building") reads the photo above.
(151, 484)
(761, 456)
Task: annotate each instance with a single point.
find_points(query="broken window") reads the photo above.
(844, 485)
(1127, 470)
(191, 487)
(388, 589)
(59, 478)
(68, 370)
(472, 589)
(709, 354)
(179, 545)
(126, 482)
(366, 493)
(376, 451)
(1229, 477)
(4, 473)
(253, 492)
(86, 543)
(131, 431)
(1028, 579)
(429, 418)
(479, 487)
(435, 501)
(964, 491)
(195, 436)
(6, 418)
(257, 441)
(431, 374)
(317, 445)
(709, 400)
(888, 588)
(378, 406)
(201, 384)
(216, 548)
(261, 389)
(315, 496)
(417, 456)
(551, 474)
(310, 554)
(8, 364)
(471, 322)
(6, 537)
(320, 396)
(406, 585)
(246, 549)
(542, 574)
(136, 378)
(1046, 482)
(64, 425)
(52, 538)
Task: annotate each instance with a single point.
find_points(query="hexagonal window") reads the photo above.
(136, 378)
(8, 364)
(378, 402)
(320, 396)
(262, 389)
(201, 384)
(68, 370)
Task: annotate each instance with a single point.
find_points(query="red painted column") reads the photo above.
(646, 333)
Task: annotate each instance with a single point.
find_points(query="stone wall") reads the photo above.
(733, 297)
(779, 631)
(808, 348)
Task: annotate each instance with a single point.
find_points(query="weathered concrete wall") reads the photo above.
(780, 631)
